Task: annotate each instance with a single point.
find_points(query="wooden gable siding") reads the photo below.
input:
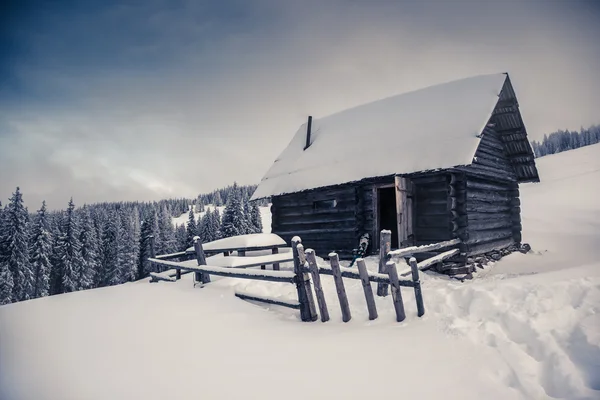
(324, 230)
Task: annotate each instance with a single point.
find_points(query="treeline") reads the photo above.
(560, 140)
(53, 252)
(219, 197)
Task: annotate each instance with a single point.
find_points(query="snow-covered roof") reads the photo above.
(431, 128)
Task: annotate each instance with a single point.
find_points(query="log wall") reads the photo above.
(431, 212)
(491, 198)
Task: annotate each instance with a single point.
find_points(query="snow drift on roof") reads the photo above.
(435, 127)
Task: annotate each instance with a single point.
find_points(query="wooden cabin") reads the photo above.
(430, 165)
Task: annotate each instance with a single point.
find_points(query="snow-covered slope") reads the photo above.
(526, 328)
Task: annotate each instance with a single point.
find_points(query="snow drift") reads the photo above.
(526, 328)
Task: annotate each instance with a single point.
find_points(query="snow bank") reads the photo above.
(526, 328)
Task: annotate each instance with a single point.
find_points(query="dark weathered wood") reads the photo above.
(489, 235)
(395, 289)
(480, 248)
(409, 251)
(316, 278)
(269, 276)
(366, 283)
(307, 308)
(275, 265)
(308, 128)
(402, 211)
(352, 273)
(418, 294)
(478, 184)
(385, 239)
(289, 304)
(339, 286)
(201, 259)
(178, 274)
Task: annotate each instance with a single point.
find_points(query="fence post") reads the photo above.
(153, 253)
(275, 250)
(314, 271)
(418, 294)
(339, 285)
(396, 294)
(201, 258)
(364, 277)
(307, 303)
(385, 243)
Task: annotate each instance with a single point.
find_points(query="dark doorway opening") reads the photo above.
(386, 209)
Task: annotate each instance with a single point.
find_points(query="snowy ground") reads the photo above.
(526, 328)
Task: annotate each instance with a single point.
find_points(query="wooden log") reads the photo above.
(316, 278)
(275, 265)
(339, 286)
(289, 304)
(409, 251)
(402, 210)
(395, 289)
(352, 273)
(201, 259)
(366, 283)
(385, 242)
(178, 274)
(418, 294)
(307, 305)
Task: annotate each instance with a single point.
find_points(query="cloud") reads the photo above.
(116, 102)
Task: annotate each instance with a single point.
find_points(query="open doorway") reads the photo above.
(386, 210)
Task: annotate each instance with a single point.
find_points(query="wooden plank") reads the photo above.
(289, 304)
(366, 283)
(402, 210)
(395, 289)
(172, 255)
(253, 274)
(339, 286)
(316, 278)
(201, 259)
(489, 235)
(430, 262)
(352, 273)
(155, 277)
(409, 251)
(275, 265)
(307, 307)
(418, 294)
(480, 248)
(385, 243)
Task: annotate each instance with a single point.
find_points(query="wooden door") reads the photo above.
(404, 211)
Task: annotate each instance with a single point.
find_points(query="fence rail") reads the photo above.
(305, 267)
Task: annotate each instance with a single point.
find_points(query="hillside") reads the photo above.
(526, 328)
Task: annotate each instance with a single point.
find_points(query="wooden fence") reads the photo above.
(306, 267)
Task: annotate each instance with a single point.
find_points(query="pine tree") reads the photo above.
(149, 229)
(233, 223)
(247, 228)
(217, 199)
(255, 218)
(56, 224)
(41, 251)
(70, 250)
(191, 228)
(6, 284)
(205, 227)
(127, 248)
(16, 247)
(216, 225)
(166, 232)
(181, 237)
(111, 250)
(90, 252)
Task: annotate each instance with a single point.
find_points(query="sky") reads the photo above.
(144, 100)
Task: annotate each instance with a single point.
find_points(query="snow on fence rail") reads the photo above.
(305, 267)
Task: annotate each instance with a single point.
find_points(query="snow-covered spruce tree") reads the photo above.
(111, 250)
(127, 247)
(6, 284)
(191, 228)
(205, 227)
(15, 237)
(149, 229)
(166, 232)
(248, 228)
(218, 202)
(216, 224)
(137, 227)
(255, 218)
(56, 223)
(233, 222)
(69, 248)
(90, 252)
(41, 250)
(181, 237)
